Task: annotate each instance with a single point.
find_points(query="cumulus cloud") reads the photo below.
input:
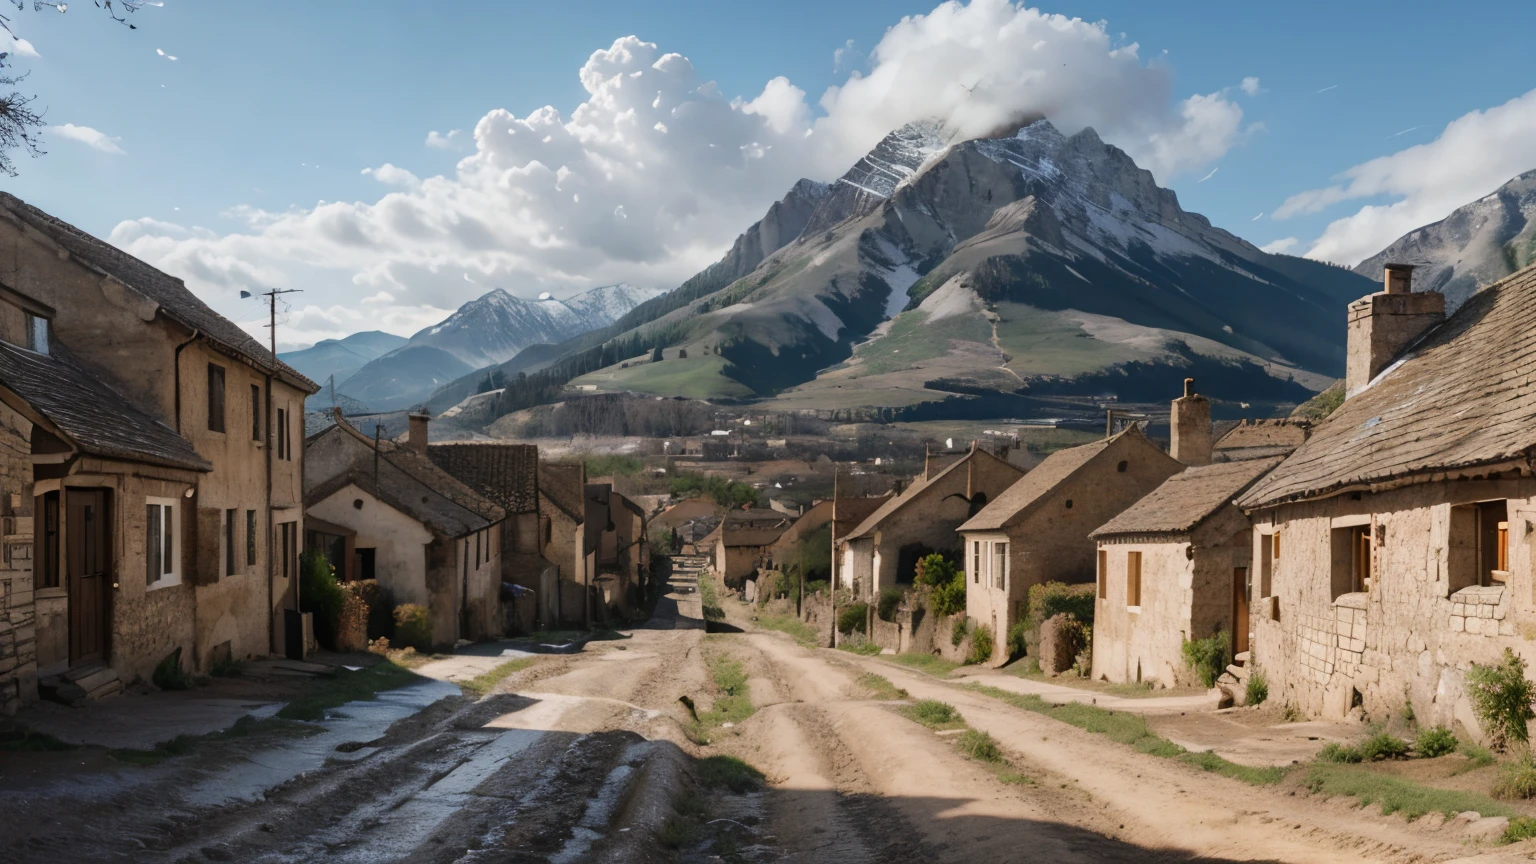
(654, 174)
(443, 141)
(1283, 246)
(1250, 86)
(92, 138)
(1474, 155)
(23, 47)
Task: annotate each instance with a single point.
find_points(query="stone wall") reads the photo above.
(1410, 638)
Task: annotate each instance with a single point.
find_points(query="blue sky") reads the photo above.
(281, 105)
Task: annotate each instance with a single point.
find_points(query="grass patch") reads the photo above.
(862, 647)
(934, 714)
(1131, 729)
(979, 746)
(1517, 779)
(733, 699)
(27, 741)
(1520, 828)
(728, 772)
(1395, 795)
(932, 664)
(797, 630)
(1435, 742)
(347, 686)
(709, 599)
(880, 687)
(1477, 755)
(486, 682)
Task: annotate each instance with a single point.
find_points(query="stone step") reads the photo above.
(98, 680)
(1242, 658)
(55, 689)
(1238, 672)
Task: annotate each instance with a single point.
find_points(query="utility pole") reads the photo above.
(272, 545)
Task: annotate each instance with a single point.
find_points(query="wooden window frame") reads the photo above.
(1133, 579)
(250, 538)
(216, 393)
(1103, 591)
(167, 543)
(255, 412)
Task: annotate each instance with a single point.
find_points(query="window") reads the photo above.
(250, 538)
(1000, 565)
(282, 439)
(477, 547)
(288, 547)
(1133, 579)
(255, 412)
(49, 574)
(1122, 466)
(976, 562)
(230, 517)
(1351, 559)
(37, 333)
(1479, 544)
(1103, 574)
(161, 556)
(1266, 563)
(215, 398)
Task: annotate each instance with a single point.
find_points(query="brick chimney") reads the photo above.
(1382, 324)
(1190, 424)
(417, 439)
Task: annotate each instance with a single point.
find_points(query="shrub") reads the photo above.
(1291, 714)
(1207, 657)
(321, 596)
(1383, 745)
(935, 570)
(853, 618)
(1520, 828)
(1054, 598)
(1062, 638)
(352, 627)
(169, 675)
(1435, 742)
(1333, 751)
(890, 598)
(1257, 689)
(1501, 698)
(1477, 756)
(1016, 640)
(413, 626)
(933, 713)
(981, 645)
(948, 599)
(979, 746)
(1517, 779)
(960, 630)
(381, 607)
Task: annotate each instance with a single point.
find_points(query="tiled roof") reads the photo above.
(175, 301)
(1463, 396)
(505, 473)
(93, 416)
(916, 489)
(1187, 498)
(562, 485)
(1042, 479)
(1261, 438)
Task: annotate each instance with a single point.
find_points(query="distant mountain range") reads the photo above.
(1476, 245)
(387, 373)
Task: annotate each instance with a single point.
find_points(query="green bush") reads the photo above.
(948, 599)
(1517, 779)
(1520, 828)
(853, 618)
(933, 713)
(321, 596)
(1434, 742)
(413, 627)
(1208, 657)
(1257, 689)
(1016, 640)
(1383, 745)
(1333, 751)
(169, 675)
(981, 645)
(1477, 755)
(979, 746)
(960, 630)
(1501, 698)
(936, 570)
(1052, 598)
(381, 607)
(890, 599)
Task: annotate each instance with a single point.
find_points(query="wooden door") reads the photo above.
(89, 562)
(1239, 610)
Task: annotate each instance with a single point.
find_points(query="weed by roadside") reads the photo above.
(733, 700)
(709, 599)
(325, 694)
(979, 746)
(934, 714)
(27, 741)
(1517, 779)
(1434, 742)
(1520, 828)
(486, 682)
(1477, 755)
(933, 664)
(183, 745)
(1396, 795)
(797, 630)
(858, 644)
(880, 687)
(228, 667)
(728, 772)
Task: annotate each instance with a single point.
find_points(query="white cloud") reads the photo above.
(23, 47)
(162, 53)
(442, 141)
(1283, 246)
(845, 57)
(1474, 155)
(655, 173)
(92, 138)
(1250, 86)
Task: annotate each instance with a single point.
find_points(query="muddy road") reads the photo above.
(601, 756)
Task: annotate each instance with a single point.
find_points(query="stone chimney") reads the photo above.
(1382, 324)
(417, 438)
(1190, 425)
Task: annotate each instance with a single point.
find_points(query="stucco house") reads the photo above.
(1037, 530)
(618, 556)
(883, 550)
(427, 538)
(563, 543)
(1393, 548)
(149, 486)
(744, 543)
(1174, 566)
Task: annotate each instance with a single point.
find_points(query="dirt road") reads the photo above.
(592, 757)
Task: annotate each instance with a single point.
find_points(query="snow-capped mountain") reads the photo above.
(1475, 246)
(1035, 264)
(485, 331)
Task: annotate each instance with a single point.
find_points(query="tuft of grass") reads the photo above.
(1014, 778)
(932, 664)
(709, 599)
(733, 699)
(228, 667)
(325, 694)
(181, 745)
(1517, 779)
(1520, 828)
(1396, 795)
(27, 741)
(728, 772)
(934, 714)
(486, 682)
(979, 746)
(880, 687)
(1267, 775)
(857, 644)
(1477, 755)
(1383, 745)
(1257, 688)
(1339, 754)
(1291, 714)
(797, 630)
(1435, 742)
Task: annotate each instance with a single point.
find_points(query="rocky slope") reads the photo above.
(1476, 245)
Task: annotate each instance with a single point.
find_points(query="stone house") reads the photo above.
(563, 543)
(1393, 548)
(673, 518)
(619, 557)
(1037, 530)
(786, 549)
(1174, 566)
(150, 471)
(427, 538)
(847, 515)
(1259, 439)
(744, 543)
(883, 550)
